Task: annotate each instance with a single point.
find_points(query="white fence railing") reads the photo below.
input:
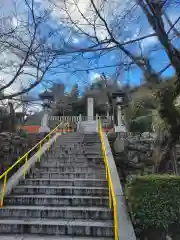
(106, 120)
(66, 118)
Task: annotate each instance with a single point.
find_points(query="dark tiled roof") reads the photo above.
(34, 119)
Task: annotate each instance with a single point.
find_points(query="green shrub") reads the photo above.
(154, 201)
(23, 133)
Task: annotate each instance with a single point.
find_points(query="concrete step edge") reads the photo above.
(62, 187)
(49, 208)
(37, 237)
(65, 180)
(71, 166)
(71, 172)
(60, 222)
(74, 164)
(58, 197)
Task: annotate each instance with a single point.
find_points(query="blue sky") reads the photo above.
(108, 61)
(89, 66)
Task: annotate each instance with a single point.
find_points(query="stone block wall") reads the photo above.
(14, 146)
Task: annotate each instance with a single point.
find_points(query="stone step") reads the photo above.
(54, 227)
(73, 156)
(55, 175)
(77, 154)
(54, 200)
(60, 156)
(71, 146)
(69, 169)
(83, 152)
(89, 164)
(94, 146)
(66, 156)
(75, 145)
(72, 135)
(65, 182)
(67, 139)
(61, 190)
(61, 153)
(66, 153)
(67, 212)
(77, 140)
(72, 160)
(70, 154)
(37, 237)
(67, 143)
(93, 150)
(93, 153)
(92, 139)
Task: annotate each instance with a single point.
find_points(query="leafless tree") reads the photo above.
(26, 47)
(97, 20)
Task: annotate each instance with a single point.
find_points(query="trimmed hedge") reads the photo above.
(154, 201)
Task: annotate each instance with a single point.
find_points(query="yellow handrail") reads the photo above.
(25, 157)
(112, 198)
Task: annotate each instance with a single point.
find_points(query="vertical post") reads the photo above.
(56, 132)
(97, 116)
(115, 222)
(49, 141)
(3, 190)
(40, 151)
(110, 199)
(107, 112)
(90, 108)
(106, 173)
(119, 115)
(25, 165)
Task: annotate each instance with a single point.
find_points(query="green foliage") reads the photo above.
(139, 118)
(23, 133)
(154, 201)
(141, 124)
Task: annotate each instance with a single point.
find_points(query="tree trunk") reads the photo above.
(171, 117)
(12, 120)
(174, 161)
(165, 156)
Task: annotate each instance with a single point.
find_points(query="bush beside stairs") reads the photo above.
(65, 195)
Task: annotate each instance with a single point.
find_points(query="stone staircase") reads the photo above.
(89, 126)
(65, 196)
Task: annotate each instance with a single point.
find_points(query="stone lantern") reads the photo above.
(119, 98)
(47, 99)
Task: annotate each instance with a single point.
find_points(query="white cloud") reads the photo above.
(75, 40)
(94, 76)
(75, 9)
(9, 61)
(15, 22)
(12, 63)
(148, 42)
(112, 10)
